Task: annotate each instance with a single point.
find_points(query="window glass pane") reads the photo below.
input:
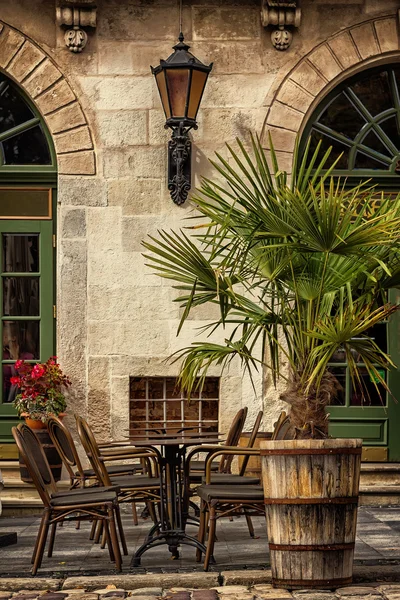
(13, 109)
(162, 88)
(20, 340)
(24, 203)
(172, 389)
(342, 117)
(337, 149)
(367, 162)
(372, 141)
(156, 387)
(374, 92)
(192, 410)
(178, 88)
(27, 148)
(199, 79)
(367, 394)
(390, 127)
(21, 296)
(340, 374)
(174, 411)
(20, 253)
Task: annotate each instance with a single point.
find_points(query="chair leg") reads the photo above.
(37, 540)
(134, 514)
(108, 540)
(202, 529)
(51, 541)
(114, 538)
(249, 524)
(104, 536)
(93, 530)
(150, 507)
(211, 537)
(41, 542)
(121, 530)
(99, 531)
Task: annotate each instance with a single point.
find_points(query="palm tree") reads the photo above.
(302, 266)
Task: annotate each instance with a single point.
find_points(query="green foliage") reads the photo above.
(299, 268)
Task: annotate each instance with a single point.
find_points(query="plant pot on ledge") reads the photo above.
(311, 495)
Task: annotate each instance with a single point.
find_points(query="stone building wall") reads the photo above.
(115, 317)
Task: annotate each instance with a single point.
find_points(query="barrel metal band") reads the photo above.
(307, 583)
(311, 547)
(338, 500)
(308, 451)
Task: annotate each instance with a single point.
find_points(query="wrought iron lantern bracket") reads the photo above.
(179, 163)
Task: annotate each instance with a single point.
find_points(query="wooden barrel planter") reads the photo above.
(253, 468)
(311, 496)
(51, 454)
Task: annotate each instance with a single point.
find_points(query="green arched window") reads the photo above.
(28, 174)
(360, 119)
(24, 141)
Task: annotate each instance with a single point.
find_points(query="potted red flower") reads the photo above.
(41, 391)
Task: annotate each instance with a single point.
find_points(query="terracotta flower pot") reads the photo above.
(37, 423)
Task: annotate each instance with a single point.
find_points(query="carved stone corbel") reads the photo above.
(283, 15)
(75, 16)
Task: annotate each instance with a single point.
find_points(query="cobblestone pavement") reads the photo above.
(378, 543)
(374, 591)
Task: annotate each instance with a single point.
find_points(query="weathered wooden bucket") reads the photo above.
(51, 454)
(311, 496)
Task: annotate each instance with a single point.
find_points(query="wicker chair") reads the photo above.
(134, 488)
(80, 477)
(100, 504)
(197, 468)
(218, 501)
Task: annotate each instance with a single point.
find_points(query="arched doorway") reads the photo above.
(28, 176)
(360, 120)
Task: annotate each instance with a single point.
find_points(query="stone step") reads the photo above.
(10, 468)
(382, 474)
(17, 507)
(380, 495)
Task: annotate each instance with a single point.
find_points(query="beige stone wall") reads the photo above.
(115, 317)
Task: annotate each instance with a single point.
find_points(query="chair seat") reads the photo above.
(87, 490)
(115, 469)
(136, 481)
(252, 493)
(75, 499)
(200, 465)
(229, 479)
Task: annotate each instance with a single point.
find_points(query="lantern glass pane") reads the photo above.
(178, 89)
(162, 88)
(199, 79)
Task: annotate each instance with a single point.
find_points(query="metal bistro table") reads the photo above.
(174, 501)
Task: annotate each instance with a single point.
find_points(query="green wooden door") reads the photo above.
(26, 301)
(375, 419)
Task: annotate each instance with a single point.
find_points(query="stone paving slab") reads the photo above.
(191, 591)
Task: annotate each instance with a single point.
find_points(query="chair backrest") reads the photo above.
(35, 460)
(91, 448)
(252, 439)
(65, 446)
(283, 428)
(232, 439)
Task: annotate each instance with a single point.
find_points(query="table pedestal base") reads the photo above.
(173, 539)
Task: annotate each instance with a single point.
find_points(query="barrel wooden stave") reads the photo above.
(311, 506)
(51, 454)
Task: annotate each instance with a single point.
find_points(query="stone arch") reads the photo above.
(37, 74)
(340, 56)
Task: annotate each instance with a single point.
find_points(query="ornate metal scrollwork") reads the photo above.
(179, 164)
(282, 15)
